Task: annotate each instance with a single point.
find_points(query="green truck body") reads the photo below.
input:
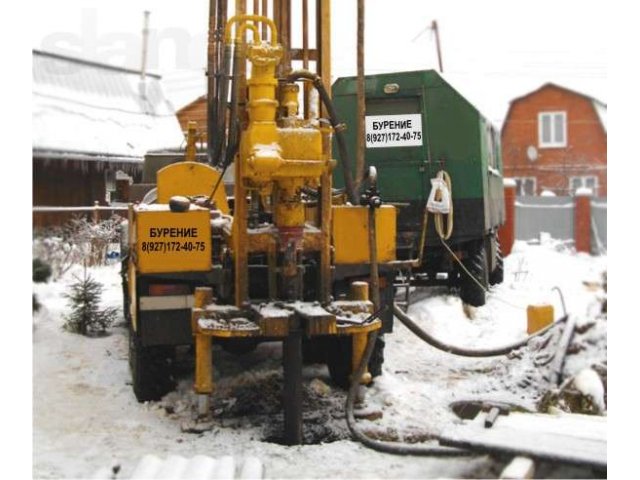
(416, 125)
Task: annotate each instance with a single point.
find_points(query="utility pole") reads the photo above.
(142, 85)
(360, 98)
(145, 46)
(434, 27)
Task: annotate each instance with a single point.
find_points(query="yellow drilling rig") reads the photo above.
(283, 257)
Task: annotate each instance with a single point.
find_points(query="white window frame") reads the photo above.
(583, 182)
(520, 181)
(109, 184)
(554, 143)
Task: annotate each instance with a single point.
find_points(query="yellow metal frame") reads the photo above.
(275, 162)
(191, 179)
(351, 234)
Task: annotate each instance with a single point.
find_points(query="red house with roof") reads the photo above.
(555, 139)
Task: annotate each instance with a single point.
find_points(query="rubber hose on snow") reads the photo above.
(388, 447)
(466, 352)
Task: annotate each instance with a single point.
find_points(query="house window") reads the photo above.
(585, 181)
(109, 184)
(525, 186)
(552, 129)
(116, 184)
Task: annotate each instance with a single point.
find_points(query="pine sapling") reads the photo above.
(86, 317)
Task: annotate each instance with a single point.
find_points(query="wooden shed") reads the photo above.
(92, 125)
(195, 111)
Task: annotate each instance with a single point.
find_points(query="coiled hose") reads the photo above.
(412, 449)
(388, 447)
(466, 352)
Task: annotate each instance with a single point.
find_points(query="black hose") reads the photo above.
(407, 448)
(338, 128)
(466, 352)
(213, 76)
(232, 143)
(219, 138)
(387, 447)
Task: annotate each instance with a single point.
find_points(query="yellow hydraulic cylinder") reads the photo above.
(538, 317)
(192, 137)
(204, 368)
(290, 99)
(359, 291)
(202, 296)
(289, 209)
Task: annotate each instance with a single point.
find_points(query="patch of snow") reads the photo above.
(86, 417)
(589, 384)
(584, 192)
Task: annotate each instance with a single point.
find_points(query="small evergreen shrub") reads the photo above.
(86, 317)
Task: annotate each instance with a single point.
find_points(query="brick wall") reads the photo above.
(585, 152)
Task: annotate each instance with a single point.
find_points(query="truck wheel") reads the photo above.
(470, 292)
(497, 276)
(339, 360)
(150, 370)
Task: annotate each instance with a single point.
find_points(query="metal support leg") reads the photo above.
(292, 353)
(204, 373)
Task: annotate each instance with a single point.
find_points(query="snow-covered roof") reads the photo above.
(92, 108)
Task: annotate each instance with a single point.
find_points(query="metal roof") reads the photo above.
(81, 106)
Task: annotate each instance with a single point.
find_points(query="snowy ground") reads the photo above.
(85, 416)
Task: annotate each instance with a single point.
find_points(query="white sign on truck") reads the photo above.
(383, 131)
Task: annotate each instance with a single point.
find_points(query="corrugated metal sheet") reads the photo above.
(83, 106)
(553, 215)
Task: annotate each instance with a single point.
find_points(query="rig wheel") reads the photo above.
(150, 370)
(497, 276)
(476, 263)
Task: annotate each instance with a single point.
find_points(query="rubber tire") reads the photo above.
(497, 276)
(339, 360)
(150, 370)
(470, 291)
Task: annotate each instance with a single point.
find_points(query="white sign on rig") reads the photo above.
(383, 131)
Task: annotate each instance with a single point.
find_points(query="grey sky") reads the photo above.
(493, 50)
